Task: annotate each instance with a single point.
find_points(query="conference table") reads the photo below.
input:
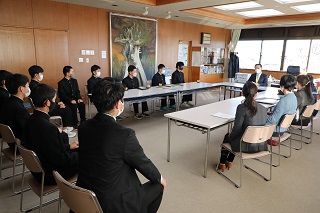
(209, 117)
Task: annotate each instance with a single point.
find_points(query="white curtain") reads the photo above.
(235, 35)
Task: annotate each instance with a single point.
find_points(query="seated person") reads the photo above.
(69, 93)
(110, 155)
(159, 79)
(36, 74)
(96, 73)
(13, 112)
(131, 82)
(259, 78)
(315, 93)
(286, 105)
(177, 78)
(4, 93)
(249, 113)
(45, 138)
(304, 98)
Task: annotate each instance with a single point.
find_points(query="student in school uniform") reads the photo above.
(4, 93)
(177, 78)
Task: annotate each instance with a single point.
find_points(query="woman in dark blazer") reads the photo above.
(249, 113)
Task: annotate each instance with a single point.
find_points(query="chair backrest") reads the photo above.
(7, 134)
(30, 159)
(77, 199)
(258, 134)
(56, 120)
(86, 89)
(308, 110)
(287, 120)
(317, 105)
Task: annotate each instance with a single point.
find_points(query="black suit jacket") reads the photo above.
(4, 96)
(44, 138)
(109, 156)
(130, 83)
(68, 90)
(14, 115)
(263, 80)
(91, 82)
(158, 79)
(177, 77)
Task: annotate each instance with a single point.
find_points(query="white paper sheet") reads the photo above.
(223, 115)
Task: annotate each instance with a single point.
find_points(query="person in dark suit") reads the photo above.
(45, 138)
(159, 80)
(13, 112)
(69, 93)
(131, 82)
(110, 155)
(249, 113)
(96, 73)
(177, 78)
(60, 109)
(259, 78)
(4, 93)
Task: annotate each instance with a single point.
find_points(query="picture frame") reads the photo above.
(205, 38)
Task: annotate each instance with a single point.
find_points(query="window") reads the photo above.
(314, 58)
(296, 54)
(249, 53)
(271, 54)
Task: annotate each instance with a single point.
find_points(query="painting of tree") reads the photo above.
(133, 42)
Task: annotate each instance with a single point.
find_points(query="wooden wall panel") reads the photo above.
(50, 14)
(52, 54)
(104, 44)
(16, 13)
(16, 49)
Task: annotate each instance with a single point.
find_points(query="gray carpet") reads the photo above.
(294, 186)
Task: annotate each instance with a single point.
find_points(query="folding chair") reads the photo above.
(78, 199)
(8, 137)
(253, 135)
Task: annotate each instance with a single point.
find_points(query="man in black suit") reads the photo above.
(110, 154)
(13, 112)
(177, 78)
(131, 82)
(4, 93)
(36, 74)
(259, 78)
(96, 73)
(69, 93)
(159, 80)
(45, 138)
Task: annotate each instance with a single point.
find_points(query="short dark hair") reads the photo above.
(106, 94)
(160, 66)
(131, 68)
(4, 74)
(35, 69)
(41, 93)
(258, 64)
(288, 82)
(94, 68)
(15, 81)
(179, 64)
(66, 69)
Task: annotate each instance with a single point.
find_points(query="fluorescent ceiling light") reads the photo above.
(239, 6)
(290, 1)
(307, 8)
(260, 13)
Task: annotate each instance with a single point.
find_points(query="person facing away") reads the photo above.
(304, 98)
(286, 105)
(177, 78)
(45, 138)
(259, 78)
(95, 77)
(60, 109)
(249, 113)
(69, 93)
(159, 80)
(315, 93)
(131, 82)
(13, 112)
(4, 93)
(110, 155)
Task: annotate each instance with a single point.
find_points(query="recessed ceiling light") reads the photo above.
(307, 8)
(239, 6)
(290, 1)
(260, 13)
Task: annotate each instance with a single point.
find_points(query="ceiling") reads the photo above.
(203, 12)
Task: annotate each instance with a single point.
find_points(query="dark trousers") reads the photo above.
(226, 156)
(144, 107)
(305, 122)
(164, 101)
(66, 115)
(82, 111)
(152, 196)
(186, 98)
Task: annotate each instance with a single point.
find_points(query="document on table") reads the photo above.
(223, 115)
(267, 101)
